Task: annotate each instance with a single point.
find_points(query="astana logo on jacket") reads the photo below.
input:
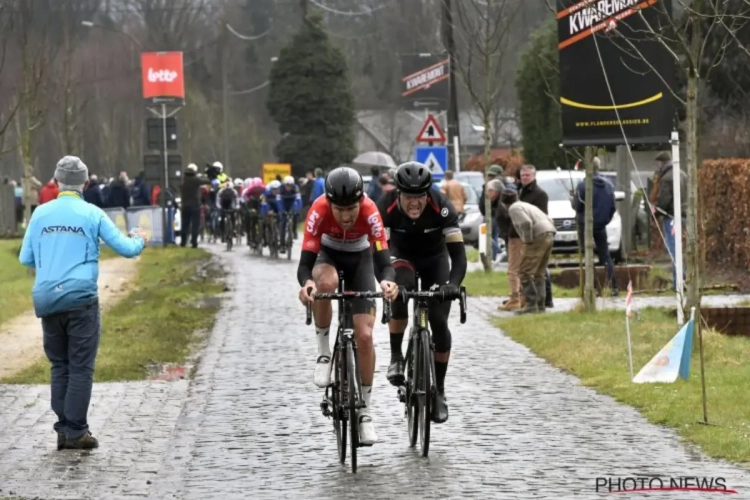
(63, 229)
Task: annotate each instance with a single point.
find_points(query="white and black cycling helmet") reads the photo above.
(238, 182)
(218, 166)
(289, 180)
(274, 184)
(413, 178)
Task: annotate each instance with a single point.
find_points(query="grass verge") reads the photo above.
(495, 284)
(156, 323)
(16, 281)
(593, 347)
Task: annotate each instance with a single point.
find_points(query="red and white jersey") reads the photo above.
(322, 229)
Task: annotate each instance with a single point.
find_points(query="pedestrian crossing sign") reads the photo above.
(436, 159)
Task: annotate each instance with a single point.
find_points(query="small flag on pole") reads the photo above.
(673, 360)
(576, 165)
(629, 301)
(628, 315)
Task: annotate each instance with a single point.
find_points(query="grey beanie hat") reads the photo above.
(71, 171)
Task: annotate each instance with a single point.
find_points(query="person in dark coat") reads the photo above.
(190, 200)
(141, 192)
(93, 193)
(119, 195)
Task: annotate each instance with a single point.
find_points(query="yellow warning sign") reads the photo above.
(271, 170)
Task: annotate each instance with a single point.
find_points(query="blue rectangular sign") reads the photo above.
(435, 158)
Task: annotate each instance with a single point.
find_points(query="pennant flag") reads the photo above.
(673, 360)
(629, 301)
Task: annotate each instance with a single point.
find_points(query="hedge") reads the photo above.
(724, 208)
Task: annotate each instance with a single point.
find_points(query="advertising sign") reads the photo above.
(271, 170)
(425, 83)
(162, 76)
(608, 73)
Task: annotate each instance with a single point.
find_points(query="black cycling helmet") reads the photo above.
(413, 178)
(344, 186)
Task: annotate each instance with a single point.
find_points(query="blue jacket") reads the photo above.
(289, 201)
(604, 202)
(319, 188)
(62, 243)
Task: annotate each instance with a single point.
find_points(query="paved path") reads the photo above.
(249, 425)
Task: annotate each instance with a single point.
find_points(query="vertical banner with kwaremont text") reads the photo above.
(615, 73)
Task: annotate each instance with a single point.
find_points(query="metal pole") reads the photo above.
(165, 176)
(225, 103)
(677, 224)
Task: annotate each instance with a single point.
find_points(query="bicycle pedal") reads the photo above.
(402, 394)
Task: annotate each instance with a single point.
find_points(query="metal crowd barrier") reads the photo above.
(148, 219)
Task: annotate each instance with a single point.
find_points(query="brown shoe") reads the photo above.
(85, 442)
(510, 306)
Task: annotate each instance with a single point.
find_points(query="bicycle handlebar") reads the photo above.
(349, 295)
(442, 296)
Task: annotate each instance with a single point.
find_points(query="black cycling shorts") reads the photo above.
(432, 270)
(359, 274)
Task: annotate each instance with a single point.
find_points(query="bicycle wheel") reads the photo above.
(289, 237)
(425, 390)
(412, 380)
(353, 385)
(339, 396)
(228, 238)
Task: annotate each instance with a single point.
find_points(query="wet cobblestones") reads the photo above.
(249, 424)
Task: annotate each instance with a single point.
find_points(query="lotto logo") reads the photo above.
(162, 75)
(375, 225)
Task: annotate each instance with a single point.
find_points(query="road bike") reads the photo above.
(289, 234)
(229, 228)
(272, 234)
(343, 397)
(419, 388)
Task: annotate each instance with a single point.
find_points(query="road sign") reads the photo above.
(271, 170)
(436, 159)
(431, 131)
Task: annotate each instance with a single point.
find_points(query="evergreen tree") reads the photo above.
(538, 86)
(310, 99)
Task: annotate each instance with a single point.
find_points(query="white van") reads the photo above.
(558, 184)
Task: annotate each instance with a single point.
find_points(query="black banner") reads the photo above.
(426, 82)
(625, 64)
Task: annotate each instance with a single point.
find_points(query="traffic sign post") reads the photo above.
(431, 132)
(435, 158)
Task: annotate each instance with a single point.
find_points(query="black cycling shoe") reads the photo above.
(396, 372)
(439, 408)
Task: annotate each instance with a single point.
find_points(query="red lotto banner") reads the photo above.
(162, 75)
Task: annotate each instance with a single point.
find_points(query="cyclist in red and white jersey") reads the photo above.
(341, 230)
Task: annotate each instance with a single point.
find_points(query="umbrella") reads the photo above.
(375, 159)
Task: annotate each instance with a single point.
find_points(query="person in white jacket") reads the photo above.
(537, 232)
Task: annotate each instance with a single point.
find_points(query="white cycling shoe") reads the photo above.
(322, 377)
(367, 434)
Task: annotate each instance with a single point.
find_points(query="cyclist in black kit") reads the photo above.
(424, 234)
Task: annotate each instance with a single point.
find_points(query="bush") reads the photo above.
(509, 162)
(724, 211)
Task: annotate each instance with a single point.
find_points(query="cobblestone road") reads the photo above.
(249, 425)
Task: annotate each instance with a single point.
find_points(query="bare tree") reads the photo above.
(485, 27)
(686, 39)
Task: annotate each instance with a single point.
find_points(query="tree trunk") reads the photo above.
(589, 294)
(693, 270)
(486, 110)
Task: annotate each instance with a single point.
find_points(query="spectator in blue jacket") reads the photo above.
(604, 211)
(62, 244)
(319, 188)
